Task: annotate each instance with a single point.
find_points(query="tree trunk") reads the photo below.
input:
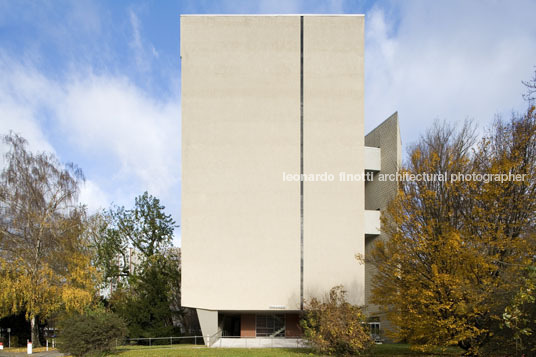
(34, 333)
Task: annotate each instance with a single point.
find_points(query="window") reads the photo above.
(375, 331)
(270, 326)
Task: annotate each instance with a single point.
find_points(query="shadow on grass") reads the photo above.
(400, 349)
(389, 349)
(295, 351)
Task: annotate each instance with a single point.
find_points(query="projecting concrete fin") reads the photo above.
(208, 320)
(385, 136)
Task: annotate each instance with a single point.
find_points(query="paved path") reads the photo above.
(40, 354)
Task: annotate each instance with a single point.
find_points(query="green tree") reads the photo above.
(44, 263)
(110, 247)
(147, 226)
(151, 304)
(518, 324)
(146, 281)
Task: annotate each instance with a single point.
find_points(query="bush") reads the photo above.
(335, 326)
(93, 333)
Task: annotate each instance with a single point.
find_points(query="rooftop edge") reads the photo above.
(252, 15)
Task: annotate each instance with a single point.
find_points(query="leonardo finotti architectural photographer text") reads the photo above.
(405, 176)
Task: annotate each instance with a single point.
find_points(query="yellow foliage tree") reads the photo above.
(334, 326)
(44, 260)
(456, 247)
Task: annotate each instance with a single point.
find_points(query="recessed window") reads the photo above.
(270, 325)
(375, 330)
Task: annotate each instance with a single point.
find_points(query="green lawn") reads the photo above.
(190, 350)
(399, 349)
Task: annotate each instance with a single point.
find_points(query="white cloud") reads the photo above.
(20, 120)
(451, 59)
(23, 92)
(135, 43)
(131, 138)
(111, 116)
(447, 60)
(93, 196)
(144, 52)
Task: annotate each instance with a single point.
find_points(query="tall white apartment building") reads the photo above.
(265, 99)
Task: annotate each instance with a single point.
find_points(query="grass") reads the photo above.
(192, 350)
(185, 350)
(399, 349)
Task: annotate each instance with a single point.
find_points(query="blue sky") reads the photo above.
(98, 82)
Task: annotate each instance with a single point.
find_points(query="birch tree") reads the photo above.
(44, 263)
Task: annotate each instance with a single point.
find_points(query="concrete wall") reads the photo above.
(378, 194)
(208, 321)
(241, 132)
(385, 136)
(333, 142)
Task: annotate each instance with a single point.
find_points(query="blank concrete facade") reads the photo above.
(265, 96)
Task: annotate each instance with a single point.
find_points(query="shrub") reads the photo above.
(93, 333)
(334, 326)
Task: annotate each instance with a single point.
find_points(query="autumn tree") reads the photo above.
(456, 246)
(333, 326)
(44, 265)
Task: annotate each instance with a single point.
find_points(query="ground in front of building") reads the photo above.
(191, 350)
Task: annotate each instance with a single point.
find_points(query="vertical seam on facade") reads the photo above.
(301, 163)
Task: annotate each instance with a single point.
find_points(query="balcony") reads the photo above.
(373, 159)
(372, 222)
